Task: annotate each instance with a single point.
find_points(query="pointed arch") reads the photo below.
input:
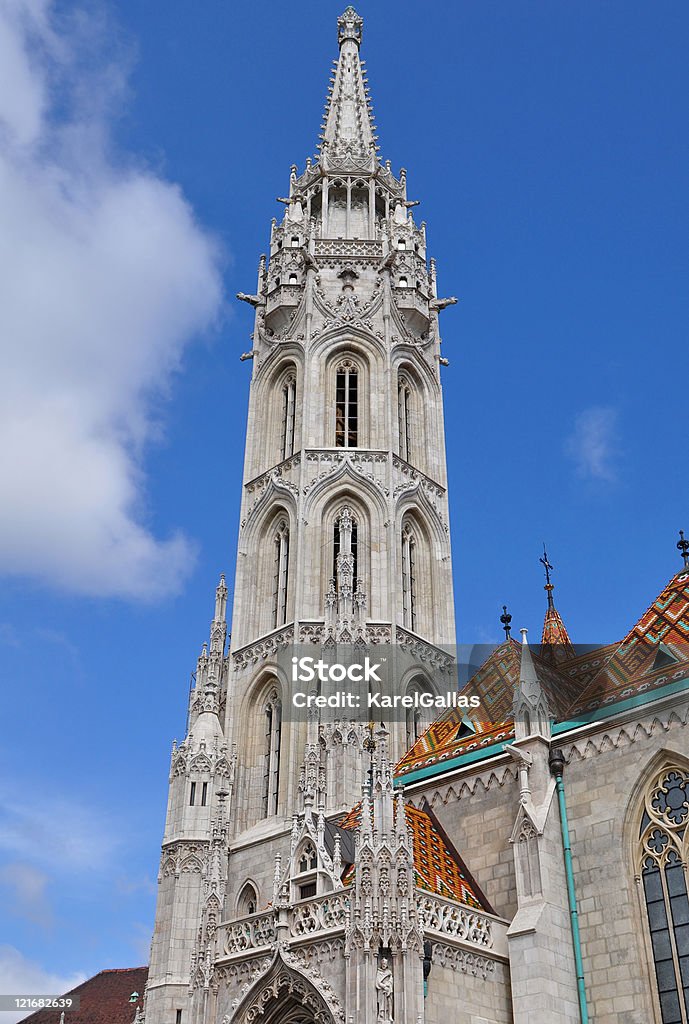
(278, 394)
(363, 354)
(657, 839)
(417, 581)
(325, 509)
(263, 752)
(417, 719)
(285, 994)
(247, 900)
(272, 581)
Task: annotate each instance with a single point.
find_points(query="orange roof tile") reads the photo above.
(438, 867)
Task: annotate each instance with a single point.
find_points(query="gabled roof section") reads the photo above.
(655, 651)
(348, 137)
(492, 723)
(107, 998)
(438, 867)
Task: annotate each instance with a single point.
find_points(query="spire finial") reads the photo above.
(683, 547)
(349, 26)
(506, 618)
(548, 584)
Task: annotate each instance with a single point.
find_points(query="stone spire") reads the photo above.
(531, 714)
(348, 131)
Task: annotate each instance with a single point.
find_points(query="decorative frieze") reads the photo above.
(267, 647)
(462, 960)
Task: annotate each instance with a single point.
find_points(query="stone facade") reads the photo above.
(277, 901)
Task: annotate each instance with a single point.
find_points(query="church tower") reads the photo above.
(344, 522)
(344, 539)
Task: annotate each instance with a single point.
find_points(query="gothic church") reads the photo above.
(525, 864)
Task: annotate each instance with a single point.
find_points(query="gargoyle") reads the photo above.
(253, 300)
(435, 305)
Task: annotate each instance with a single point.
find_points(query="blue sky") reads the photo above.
(141, 148)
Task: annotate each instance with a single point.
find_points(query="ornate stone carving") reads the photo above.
(266, 647)
(451, 919)
(384, 992)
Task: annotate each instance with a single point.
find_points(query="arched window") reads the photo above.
(345, 550)
(295, 241)
(529, 861)
(248, 901)
(418, 719)
(401, 244)
(414, 726)
(281, 573)
(403, 282)
(289, 405)
(292, 278)
(409, 591)
(308, 859)
(271, 778)
(346, 405)
(404, 417)
(662, 850)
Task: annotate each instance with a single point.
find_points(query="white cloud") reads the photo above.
(593, 443)
(57, 833)
(25, 886)
(107, 277)
(20, 975)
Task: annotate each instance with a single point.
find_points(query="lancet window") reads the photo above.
(281, 573)
(271, 778)
(346, 405)
(404, 400)
(346, 569)
(289, 404)
(409, 583)
(248, 901)
(662, 850)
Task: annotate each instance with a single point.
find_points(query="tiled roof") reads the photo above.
(457, 732)
(104, 999)
(438, 867)
(654, 653)
(555, 635)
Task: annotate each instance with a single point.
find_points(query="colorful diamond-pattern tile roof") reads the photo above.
(438, 867)
(654, 652)
(555, 634)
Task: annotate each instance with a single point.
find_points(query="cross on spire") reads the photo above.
(683, 547)
(548, 569)
(506, 618)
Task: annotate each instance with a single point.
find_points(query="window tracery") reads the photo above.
(662, 852)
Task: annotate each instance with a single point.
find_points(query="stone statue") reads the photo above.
(384, 992)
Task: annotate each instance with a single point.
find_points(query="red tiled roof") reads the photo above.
(438, 867)
(103, 999)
